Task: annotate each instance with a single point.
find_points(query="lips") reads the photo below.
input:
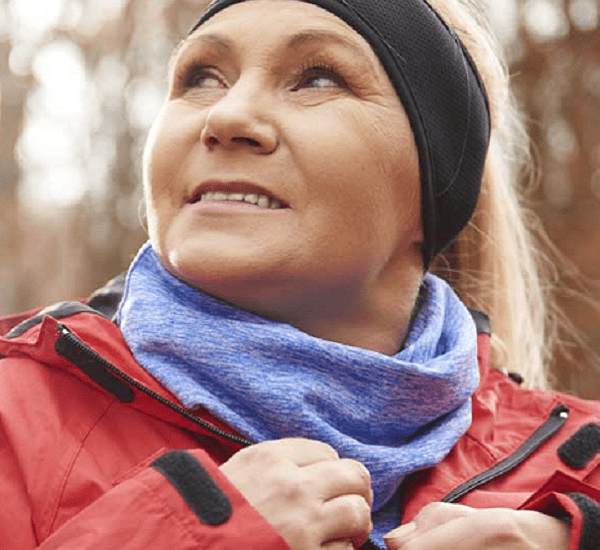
(236, 192)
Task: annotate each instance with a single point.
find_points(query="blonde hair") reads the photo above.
(497, 264)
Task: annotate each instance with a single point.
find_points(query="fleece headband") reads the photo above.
(444, 98)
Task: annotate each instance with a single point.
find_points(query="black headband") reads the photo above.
(444, 98)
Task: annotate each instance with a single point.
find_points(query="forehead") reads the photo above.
(281, 23)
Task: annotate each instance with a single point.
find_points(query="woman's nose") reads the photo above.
(240, 120)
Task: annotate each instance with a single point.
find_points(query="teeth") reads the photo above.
(262, 201)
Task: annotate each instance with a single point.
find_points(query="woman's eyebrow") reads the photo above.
(222, 43)
(294, 42)
(322, 36)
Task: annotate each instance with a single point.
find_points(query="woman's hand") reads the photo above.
(305, 491)
(442, 526)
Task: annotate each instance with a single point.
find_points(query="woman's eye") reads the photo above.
(202, 77)
(320, 78)
(320, 82)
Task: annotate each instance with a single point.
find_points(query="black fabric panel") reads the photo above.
(94, 369)
(195, 485)
(446, 104)
(590, 536)
(106, 300)
(581, 448)
(482, 321)
(418, 307)
(57, 311)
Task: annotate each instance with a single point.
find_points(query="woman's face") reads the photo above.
(281, 174)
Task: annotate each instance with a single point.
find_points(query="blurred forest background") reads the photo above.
(81, 81)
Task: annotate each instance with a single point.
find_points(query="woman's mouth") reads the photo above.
(262, 201)
(247, 193)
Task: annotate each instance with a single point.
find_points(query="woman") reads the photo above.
(311, 160)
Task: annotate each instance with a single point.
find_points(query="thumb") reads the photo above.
(397, 538)
(430, 517)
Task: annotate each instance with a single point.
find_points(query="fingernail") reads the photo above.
(401, 534)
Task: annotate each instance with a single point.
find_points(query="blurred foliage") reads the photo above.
(80, 82)
(556, 76)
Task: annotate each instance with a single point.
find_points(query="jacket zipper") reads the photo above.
(68, 337)
(555, 421)
(553, 424)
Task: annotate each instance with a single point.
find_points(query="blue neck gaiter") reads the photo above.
(269, 380)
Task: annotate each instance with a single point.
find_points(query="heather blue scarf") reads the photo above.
(269, 380)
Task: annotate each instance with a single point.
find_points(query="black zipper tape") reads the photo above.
(119, 384)
(114, 380)
(556, 420)
(89, 364)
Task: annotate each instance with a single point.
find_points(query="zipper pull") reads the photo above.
(561, 411)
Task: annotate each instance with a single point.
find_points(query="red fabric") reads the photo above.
(551, 499)
(10, 321)
(559, 505)
(74, 460)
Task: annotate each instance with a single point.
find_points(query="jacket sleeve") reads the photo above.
(182, 500)
(576, 503)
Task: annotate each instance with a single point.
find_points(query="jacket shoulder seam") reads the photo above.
(482, 446)
(69, 468)
(60, 310)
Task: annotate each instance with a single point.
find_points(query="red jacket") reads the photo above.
(88, 460)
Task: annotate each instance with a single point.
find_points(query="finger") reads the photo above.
(341, 477)
(347, 518)
(442, 537)
(490, 528)
(338, 545)
(428, 518)
(438, 513)
(396, 539)
(301, 452)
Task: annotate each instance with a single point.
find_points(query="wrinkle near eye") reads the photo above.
(198, 54)
(327, 61)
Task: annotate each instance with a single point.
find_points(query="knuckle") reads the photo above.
(357, 514)
(359, 471)
(500, 527)
(291, 489)
(438, 513)
(362, 471)
(327, 450)
(504, 529)
(429, 513)
(291, 446)
(261, 453)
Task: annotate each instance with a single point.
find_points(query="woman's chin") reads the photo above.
(239, 276)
